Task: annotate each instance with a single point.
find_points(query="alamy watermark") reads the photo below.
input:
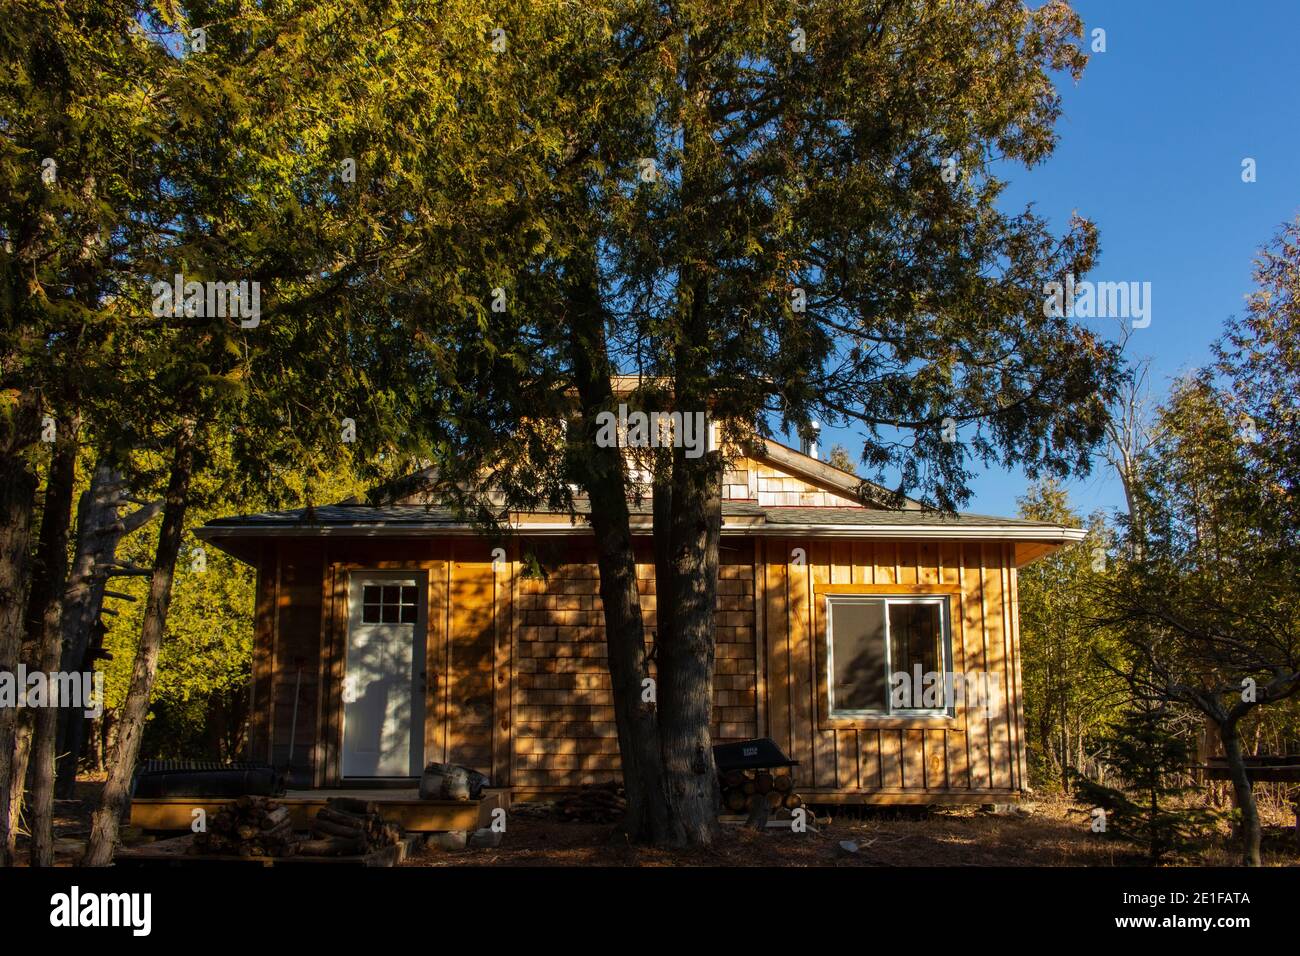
(1098, 300)
(688, 430)
(930, 690)
(73, 689)
(133, 911)
(224, 300)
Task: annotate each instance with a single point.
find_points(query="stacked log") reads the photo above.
(593, 803)
(346, 826)
(249, 826)
(743, 789)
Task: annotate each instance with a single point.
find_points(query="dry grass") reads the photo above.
(1052, 835)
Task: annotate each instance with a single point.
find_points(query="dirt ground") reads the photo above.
(1050, 833)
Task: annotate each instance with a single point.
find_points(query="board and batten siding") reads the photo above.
(518, 685)
(893, 759)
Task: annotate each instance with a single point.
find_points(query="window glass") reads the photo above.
(916, 651)
(389, 604)
(886, 654)
(858, 655)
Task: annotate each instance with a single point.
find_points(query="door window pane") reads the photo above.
(390, 604)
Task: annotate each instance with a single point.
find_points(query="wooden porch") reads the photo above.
(401, 806)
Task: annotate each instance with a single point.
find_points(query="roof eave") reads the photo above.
(733, 527)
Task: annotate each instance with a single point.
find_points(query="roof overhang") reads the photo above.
(1031, 542)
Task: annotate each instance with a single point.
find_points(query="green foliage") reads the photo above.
(840, 458)
(776, 170)
(199, 702)
(820, 170)
(1072, 692)
(1258, 358)
(199, 698)
(1150, 809)
(1209, 602)
(1213, 597)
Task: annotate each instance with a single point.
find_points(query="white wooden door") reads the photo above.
(383, 685)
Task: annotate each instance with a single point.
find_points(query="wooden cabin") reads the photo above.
(398, 637)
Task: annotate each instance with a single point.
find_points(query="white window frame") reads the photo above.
(945, 646)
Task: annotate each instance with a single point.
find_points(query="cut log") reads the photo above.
(280, 833)
(330, 846)
(330, 828)
(355, 820)
(274, 818)
(250, 826)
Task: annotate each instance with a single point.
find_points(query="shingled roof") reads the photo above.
(737, 517)
(392, 514)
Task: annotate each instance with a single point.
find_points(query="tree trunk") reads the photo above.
(104, 827)
(17, 499)
(1243, 792)
(600, 471)
(685, 654)
(99, 529)
(53, 568)
(96, 511)
(43, 575)
(1065, 752)
(21, 757)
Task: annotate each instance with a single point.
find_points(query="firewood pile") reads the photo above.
(532, 810)
(250, 826)
(742, 789)
(593, 803)
(346, 826)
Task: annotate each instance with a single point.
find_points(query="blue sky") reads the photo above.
(1151, 146)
